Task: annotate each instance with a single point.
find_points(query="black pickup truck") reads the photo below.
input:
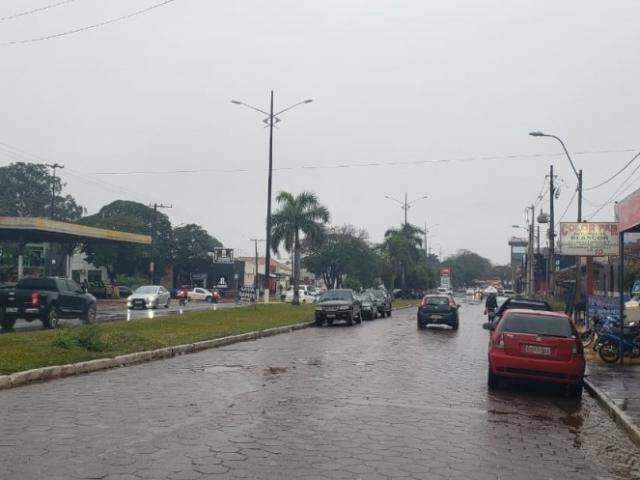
(47, 300)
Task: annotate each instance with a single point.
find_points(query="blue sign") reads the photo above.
(603, 306)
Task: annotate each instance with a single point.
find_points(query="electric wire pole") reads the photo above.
(551, 267)
(53, 187)
(152, 264)
(256, 282)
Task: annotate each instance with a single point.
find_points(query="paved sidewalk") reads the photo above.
(620, 386)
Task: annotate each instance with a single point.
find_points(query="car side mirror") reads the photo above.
(488, 326)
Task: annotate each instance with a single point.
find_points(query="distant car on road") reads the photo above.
(383, 302)
(149, 296)
(200, 294)
(304, 294)
(339, 304)
(45, 299)
(526, 303)
(369, 306)
(536, 345)
(437, 309)
(509, 293)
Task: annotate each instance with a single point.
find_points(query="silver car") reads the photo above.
(149, 296)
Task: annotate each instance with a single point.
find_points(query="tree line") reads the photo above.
(341, 255)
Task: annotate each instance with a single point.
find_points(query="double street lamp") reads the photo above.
(406, 205)
(270, 121)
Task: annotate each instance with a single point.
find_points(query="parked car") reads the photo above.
(99, 289)
(149, 296)
(438, 309)
(383, 302)
(303, 293)
(339, 304)
(45, 299)
(124, 291)
(200, 294)
(521, 303)
(536, 345)
(369, 306)
(509, 293)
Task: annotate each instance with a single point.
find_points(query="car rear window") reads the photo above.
(37, 284)
(528, 305)
(436, 301)
(537, 325)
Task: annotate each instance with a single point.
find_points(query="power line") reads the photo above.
(87, 27)
(35, 10)
(615, 194)
(616, 174)
(349, 165)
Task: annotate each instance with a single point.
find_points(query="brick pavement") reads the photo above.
(381, 400)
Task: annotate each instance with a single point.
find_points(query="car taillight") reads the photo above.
(499, 344)
(35, 299)
(452, 304)
(423, 303)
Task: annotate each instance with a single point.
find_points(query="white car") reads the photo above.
(200, 294)
(303, 293)
(149, 296)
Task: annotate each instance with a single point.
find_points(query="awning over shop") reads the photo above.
(30, 229)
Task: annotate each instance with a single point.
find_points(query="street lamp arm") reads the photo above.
(293, 106)
(416, 200)
(394, 199)
(237, 102)
(567, 153)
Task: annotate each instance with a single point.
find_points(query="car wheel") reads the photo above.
(492, 380)
(388, 313)
(382, 314)
(421, 326)
(330, 322)
(575, 390)
(89, 315)
(454, 325)
(7, 324)
(350, 319)
(209, 299)
(319, 321)
(359, 318)
(51, 318)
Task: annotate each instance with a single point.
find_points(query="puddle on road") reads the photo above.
(274, 370)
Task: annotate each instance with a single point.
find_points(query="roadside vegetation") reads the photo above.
(27, 350)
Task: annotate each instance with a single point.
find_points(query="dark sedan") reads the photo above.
(438, 310)
(341, 304)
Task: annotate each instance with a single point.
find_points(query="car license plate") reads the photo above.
(11, 310)
(537, 349)
(436, 317)
(331, 315)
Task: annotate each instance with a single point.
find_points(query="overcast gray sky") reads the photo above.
(392, 81)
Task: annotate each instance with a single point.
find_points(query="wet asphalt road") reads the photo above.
(381, 400)
(112, 310)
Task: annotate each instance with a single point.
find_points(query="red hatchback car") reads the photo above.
(536, 345)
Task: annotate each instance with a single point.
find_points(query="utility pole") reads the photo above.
(271, 120)
(53, 187)
(551, 267)
(256, 282)
(406, 205)
(152, 264)
(531, 276)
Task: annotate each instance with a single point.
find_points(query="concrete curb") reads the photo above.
(615, 412)
(61, 371)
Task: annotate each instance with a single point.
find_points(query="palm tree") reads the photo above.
(401, 247)
(301, 214)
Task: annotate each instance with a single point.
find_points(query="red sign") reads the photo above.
(628, 212)
(445, 271)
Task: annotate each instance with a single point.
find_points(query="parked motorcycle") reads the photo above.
(609, 344)
(597, 326)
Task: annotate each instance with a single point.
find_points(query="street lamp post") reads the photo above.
(406, 205)
(271, 120)
(578, 174)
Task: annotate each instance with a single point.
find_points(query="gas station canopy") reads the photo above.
(31, 229)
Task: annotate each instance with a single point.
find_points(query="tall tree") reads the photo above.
(297, 215)
(402, 247)
(27, 189)
(190, 247)
(127, 259)
(344, 251)
(467, 266)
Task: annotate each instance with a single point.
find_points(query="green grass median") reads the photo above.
(26, 350)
